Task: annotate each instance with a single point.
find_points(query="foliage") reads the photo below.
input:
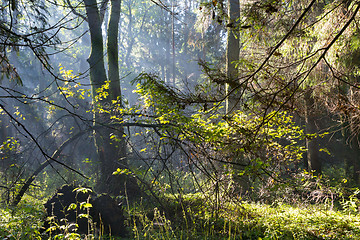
(65, 229)
(268, 143)
(24, 221)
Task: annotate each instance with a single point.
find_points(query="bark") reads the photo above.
(355, 160)
(96, 59)
(312, 145)
(232, 52)
(241, 182)
(233, 46)
(112, 49)
(112, 153)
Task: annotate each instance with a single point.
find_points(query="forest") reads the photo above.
(179, 119)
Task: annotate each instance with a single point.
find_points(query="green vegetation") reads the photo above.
(24, 221)
(196, 218)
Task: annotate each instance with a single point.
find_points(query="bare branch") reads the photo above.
(73, 10)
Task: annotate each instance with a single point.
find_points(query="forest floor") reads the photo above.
(192, 219)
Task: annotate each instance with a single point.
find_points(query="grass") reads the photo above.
(313, 222)
(249, 221)
(195, 219)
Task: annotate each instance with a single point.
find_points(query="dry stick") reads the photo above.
(73, 10)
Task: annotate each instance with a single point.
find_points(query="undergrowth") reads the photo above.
(22, 222)
(194, 218)
(250, 221)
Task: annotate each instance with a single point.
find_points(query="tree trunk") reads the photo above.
(312, 145)
(241, 181)
(117, 157)
(96, 59)
(111, 152)
(112, 49)
(232, 53)
(355, 160)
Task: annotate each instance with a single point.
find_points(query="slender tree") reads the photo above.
(232, 53)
